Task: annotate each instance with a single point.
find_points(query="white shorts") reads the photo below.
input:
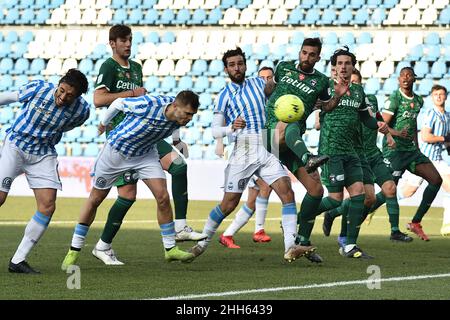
(41, 171)
(250, 157)
(111, 164)
(252, 183)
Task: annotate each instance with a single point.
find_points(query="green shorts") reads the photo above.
(381, 169)
(368, 176)
(341, 171)
(127, 177)
(405, 160)
(286, 156)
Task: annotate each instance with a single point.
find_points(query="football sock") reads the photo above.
(242, 217)
(260, 212)
(115, 218)
(393, 212)
(168, 235)
(355, 212)
(294, 142)
(328, 203)
(178, 170)
(336, 212)
(429, 194)
(33, 232)
(214, 220)
(380, 200)
(289, 224)
(307, 216)
(79, 236)
(180, 224)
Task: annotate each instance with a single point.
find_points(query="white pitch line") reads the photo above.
(311, 286)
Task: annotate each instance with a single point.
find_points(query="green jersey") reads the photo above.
(309, 87)
(405, 111)
(117, 78)
(340, 131)
(369, 136)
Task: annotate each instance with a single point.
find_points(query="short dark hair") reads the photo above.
(437, 87)
(188, 97)
(119, 31)
(232, 53)
(313, 42)
(343, 51)
(410, 69)
(356, 71)
(266, 68)
(75, 78)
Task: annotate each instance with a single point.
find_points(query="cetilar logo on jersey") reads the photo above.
(299, 85)
(409, 115)
(126, 85)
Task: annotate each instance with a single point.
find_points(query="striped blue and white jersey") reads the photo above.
(246, 100)
(143, 126)
(41, 123)
(440, 126)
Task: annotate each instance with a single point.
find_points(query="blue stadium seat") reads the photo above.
(61, 149)
(18, 50)
(341, 4)
(297, 38)
(152, 83)
(261, 51)
(421, 69)
(364, 38)
(328, 16)
(6, 82)
(361, 16)
(150, 18)
(24, 4)
(168, 37)
(19, 81)
(215, 68)
(99, 51)
(432, 39)
(185, 83)
(117, 4)
(120, 15)
(41, 4)
(167, 16)
(446, 54)
(206, 101)
(389, 86)
(76, 149)
(295, 17)
(168, 84)
(134, 17)
(195, 152)
(215, 15)
(425, 86)
(444, 16)
(205, 118)
(133, 4)
(138, 37)
(432, 52)
(55, 3)
(372, 86)
(438, 69)
(201, 84)
(307, 4)
(378, 16)
(191, 136)
(182, 17)
(345, 16)
(356, 4)
(312, 16)
(73, 135)
(373, 4)
(330, 38)
(27, 37)
(225, 4)
(415, 53)
(152, 37)
(446, 39)
(6, 65)
(37, 65)
(42, 16)
(12, 16)
(207, 137)
(86, 65)
(5, 49)
(11, 37)
(347, 39)
(90, 133)
(91, 150)
(21, 66)
(97, 66)
(218, 84)
(389, 4)
(199, 67)
(198, 17)
(26, 17)
(6, 114)
(446, 83)
(278, 52)
(324, 4)
(241, 4)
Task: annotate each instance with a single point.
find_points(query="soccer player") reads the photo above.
(340, 138)
(374, 168)
(285, 140)
(132, 144)
(257, 200)
(241, 104)
(435, 137)
(121, 77)
(29, 147)
(401, 114)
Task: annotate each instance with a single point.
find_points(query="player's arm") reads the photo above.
(178, 144)
(339, 90)
(217, 127)
(9, 97)
(114, 108)
(317, 119)
(427, 136)
(102, 96)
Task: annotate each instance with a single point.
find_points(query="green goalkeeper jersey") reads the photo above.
(369, 136)
(309, 87)
(117, 78)
(404, 111)
(340, 132)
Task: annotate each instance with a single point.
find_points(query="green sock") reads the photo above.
(307, 216)
(344, 221)
(380, 200)
(328, 203)
(115, 218)
(365, 213)
(178, 170)
(429, 194)
(294, 142)
(336, 212)
(393, 212)
(355, 212)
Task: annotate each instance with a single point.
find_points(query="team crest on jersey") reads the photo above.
(6, 183)
(101, 182)
(242, 183)
(301, 76)
(313, 82)
(127, 74)
(230, 186)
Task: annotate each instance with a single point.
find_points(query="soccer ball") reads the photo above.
(289, 108)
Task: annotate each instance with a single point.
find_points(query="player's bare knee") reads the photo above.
(3, 196)
(163, 200)
(369, 200)
(47, 207)
(389, 189)
(288, 197)
(315, 190)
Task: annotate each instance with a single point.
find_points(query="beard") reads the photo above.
(239, 78)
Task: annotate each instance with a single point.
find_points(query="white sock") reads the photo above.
(79, 236)
(33, 232)
(289, 223)
(180, 224)
(260, 213)
(213, 222)
(102, 246)
(349, 247)
(446, 204)
(168, 235)
(242, 216)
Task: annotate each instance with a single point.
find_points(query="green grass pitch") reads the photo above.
(259, 267)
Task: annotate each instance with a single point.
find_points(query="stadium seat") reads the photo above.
(21, 66)
(167, 16)
(395, 16)
(76, 149)
(415, 53)
(279, 17)
(263, 17)
(295, 17)
(206, 101)
(425, 85)
(364, 38)
(91, 150)
(345, 16)
(205, 118)
(401, 65)
(168, 37)
(86, 65)
(120, 15)
(438, 69)
(201, 84)
(214, 17)
(341, 4)
(198, 17)
(368, 68)
(42, 15)
(385, 69)
(215, 68)
(347, 39)
(429, 16)
(152, 83)
(444, 16)
(195, 152)
(378, 16)
(307, 4)
(356, 4)
(182, 17)
(361, 16)
(432, 52)
(328, 16)
(185, 83)
(225, 4)
(37, 65)
(446, 83)
(372, 85)
(373, 4)
(6, 114)
(168, 84)
(218, 84)
(133, 4)
(421, 69)
(61, 149)
(312, 16)
(151, 17)
(11, 37)
(6, 82)
(199, 67)
(6, 65)
(89, 134)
